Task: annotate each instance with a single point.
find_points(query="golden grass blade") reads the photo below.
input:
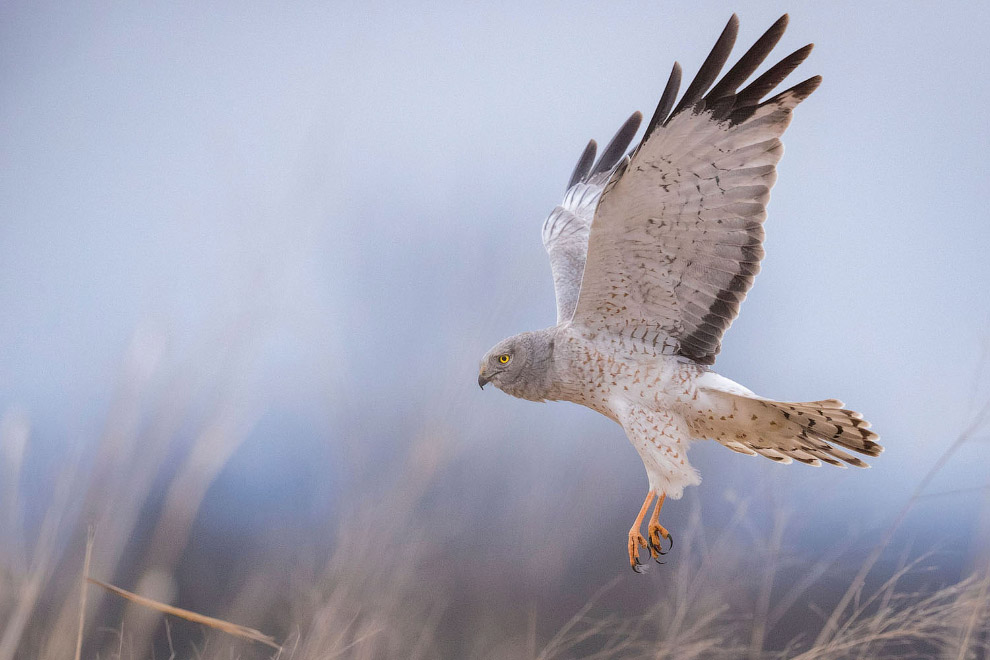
(218, 624)
(82, 593)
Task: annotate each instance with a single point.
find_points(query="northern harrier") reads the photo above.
(652, 254)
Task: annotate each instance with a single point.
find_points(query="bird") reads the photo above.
(652, 252)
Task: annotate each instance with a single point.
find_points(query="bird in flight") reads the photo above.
(652, 252)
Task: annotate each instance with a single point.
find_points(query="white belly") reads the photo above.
(650, 395)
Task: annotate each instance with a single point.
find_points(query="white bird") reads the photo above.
(652, 253)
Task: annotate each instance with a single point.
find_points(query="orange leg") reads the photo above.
(655, 531)
(635, 537)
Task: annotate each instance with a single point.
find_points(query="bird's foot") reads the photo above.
(657, 534)
(636, 541)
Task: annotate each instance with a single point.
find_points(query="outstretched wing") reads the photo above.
(677, 235)
(566, 229)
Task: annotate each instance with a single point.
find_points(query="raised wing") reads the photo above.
(677, 236)
(566, 229)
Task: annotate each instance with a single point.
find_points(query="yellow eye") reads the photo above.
(504, 359)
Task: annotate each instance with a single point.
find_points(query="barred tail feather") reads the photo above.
(811, 432)
(822, 424)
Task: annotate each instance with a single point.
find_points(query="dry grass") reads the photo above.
(382, 590)
(227, 627)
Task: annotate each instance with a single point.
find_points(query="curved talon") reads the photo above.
(657, 534)
(656, 545)
(670, 547)
(636, 541)
(656, 552)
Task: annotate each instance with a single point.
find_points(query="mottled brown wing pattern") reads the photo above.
(677, 236)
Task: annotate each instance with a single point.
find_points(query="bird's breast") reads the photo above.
(596, 376)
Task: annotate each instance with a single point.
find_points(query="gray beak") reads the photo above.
(483, 380)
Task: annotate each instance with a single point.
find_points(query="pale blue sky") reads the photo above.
(355, 190)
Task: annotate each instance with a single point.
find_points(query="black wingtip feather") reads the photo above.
(722, 107)
(750, 61)
(805, 89)
(801, 91)
(711, 67)
(617, 146)
(584, 164)
(772, 77)
(722, 100)
(666, 100)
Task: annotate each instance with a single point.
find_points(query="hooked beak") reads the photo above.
(483, 379)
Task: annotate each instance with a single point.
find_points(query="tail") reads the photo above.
(811, 432)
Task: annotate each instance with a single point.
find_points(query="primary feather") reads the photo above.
(675, 237)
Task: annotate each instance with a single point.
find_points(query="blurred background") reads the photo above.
(251, 254)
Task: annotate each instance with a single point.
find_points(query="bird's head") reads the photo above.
(518, 365)
(504, 363)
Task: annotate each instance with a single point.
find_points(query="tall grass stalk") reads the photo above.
(382, 589)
